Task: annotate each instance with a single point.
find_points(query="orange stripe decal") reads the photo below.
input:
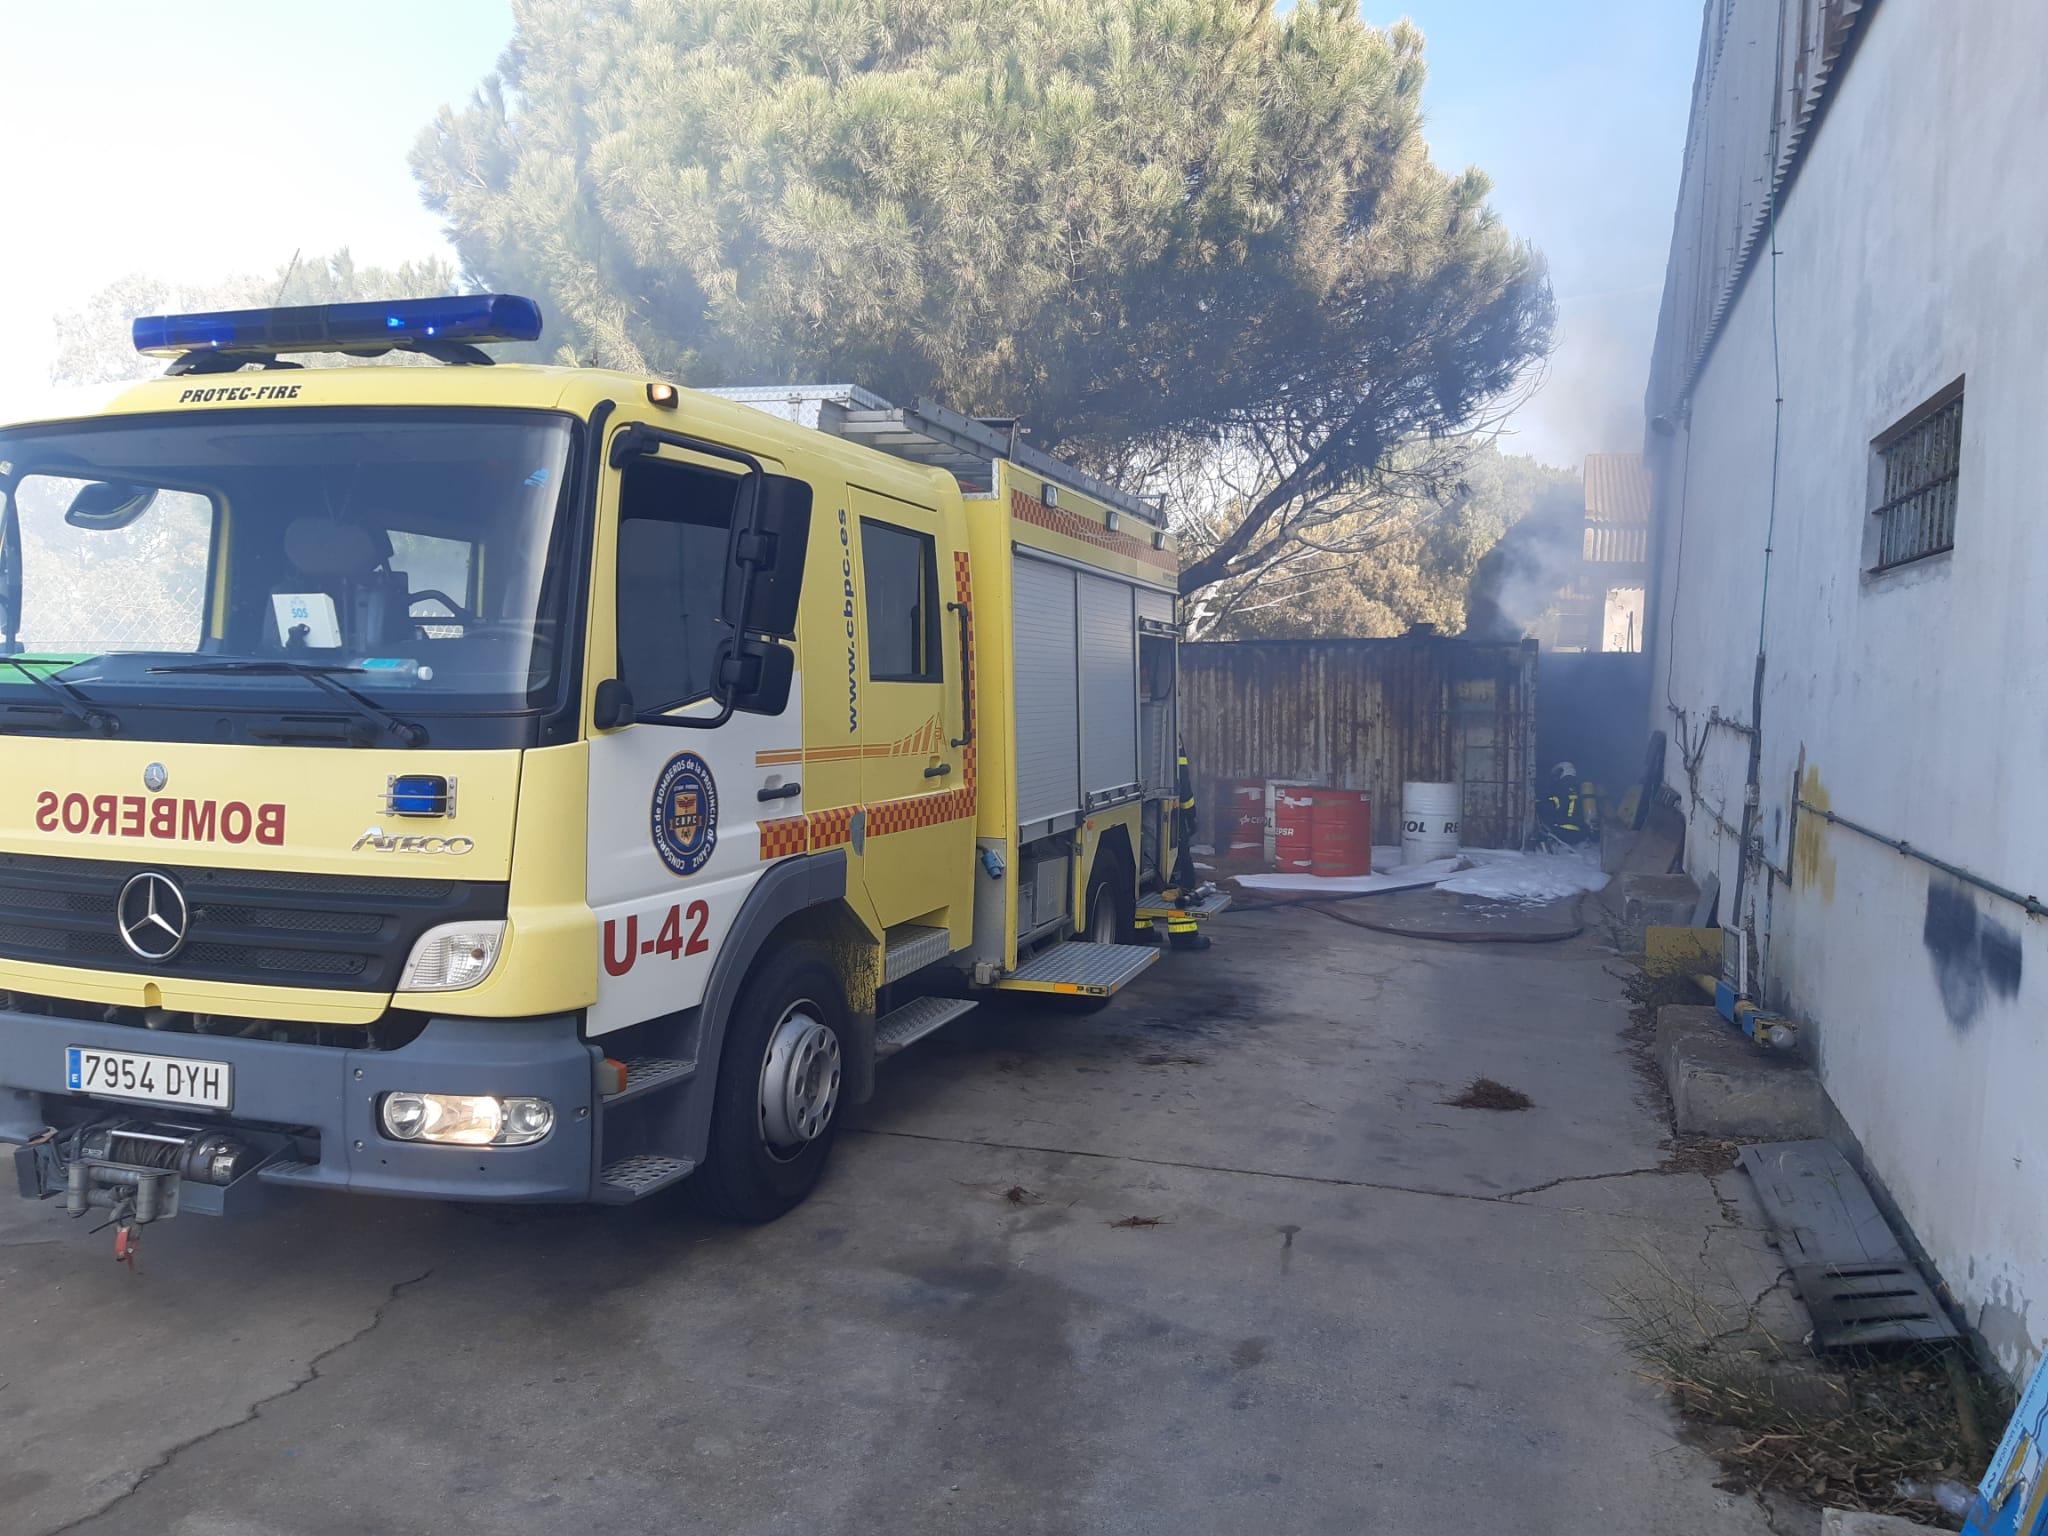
(834, 828)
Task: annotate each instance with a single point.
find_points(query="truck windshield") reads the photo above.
(213, 560)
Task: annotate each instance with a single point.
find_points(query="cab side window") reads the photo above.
(674, 524)
(902, 576)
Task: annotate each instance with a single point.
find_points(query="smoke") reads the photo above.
(1591, 398)
(1521, 577)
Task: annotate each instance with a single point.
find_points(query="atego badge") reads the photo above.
(685, 813)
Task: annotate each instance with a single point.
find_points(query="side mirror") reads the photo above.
(613, 706)
(773, 532)
(108, 504)
(757, 675)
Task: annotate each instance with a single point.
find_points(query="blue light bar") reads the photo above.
(468, 318)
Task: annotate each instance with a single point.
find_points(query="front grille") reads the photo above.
(279, 928)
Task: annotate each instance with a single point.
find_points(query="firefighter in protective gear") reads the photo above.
(1182, 932)
(1564, 814)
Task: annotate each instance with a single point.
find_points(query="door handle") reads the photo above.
(966, 737)
(938, 771)
(787, 791)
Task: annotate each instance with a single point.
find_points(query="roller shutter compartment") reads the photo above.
(1109, 690)
(1048, 702)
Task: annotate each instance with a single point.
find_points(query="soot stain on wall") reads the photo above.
(1974, 958)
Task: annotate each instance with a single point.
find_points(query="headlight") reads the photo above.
(466, 1119)
(452, 957)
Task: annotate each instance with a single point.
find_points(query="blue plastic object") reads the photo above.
(419, 794)
(2012, 1500)
(465, 317)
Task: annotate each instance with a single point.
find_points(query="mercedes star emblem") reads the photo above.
(154, 778)
(152, 916)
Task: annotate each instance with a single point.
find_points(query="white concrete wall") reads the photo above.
(1621, 622)
(1914, 248)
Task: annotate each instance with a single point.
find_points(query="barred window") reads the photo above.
(1914, 482)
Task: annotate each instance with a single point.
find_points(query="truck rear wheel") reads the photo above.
(779, 1079)
(1111, 916)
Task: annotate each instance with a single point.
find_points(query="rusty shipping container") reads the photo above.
(1370, 715)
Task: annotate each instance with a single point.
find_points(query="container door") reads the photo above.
(914, 835)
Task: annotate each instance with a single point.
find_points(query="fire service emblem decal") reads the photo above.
(685, 821)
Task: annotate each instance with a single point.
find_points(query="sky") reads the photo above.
(202, 138)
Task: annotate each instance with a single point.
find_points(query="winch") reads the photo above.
(137, 1165)
(133, 1169)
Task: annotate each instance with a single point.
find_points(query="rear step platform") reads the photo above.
(1157, 906)
(1075, 969)
(914, 1020)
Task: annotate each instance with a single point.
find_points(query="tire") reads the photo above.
(770, 1132)
(1111, 917)
(1112, 911)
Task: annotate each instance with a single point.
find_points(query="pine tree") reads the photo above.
(1137, 224)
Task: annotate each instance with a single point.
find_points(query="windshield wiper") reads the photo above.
(407, 733)
(74, 704)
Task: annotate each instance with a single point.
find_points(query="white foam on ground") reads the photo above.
(1398, 878)
(1498, 874)
(1527, 879)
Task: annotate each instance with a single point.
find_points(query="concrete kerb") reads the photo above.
(1723, 1084)
(1849, 1522)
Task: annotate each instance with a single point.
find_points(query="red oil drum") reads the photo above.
(1243, 821)
(1293, 810)
(1339, 832)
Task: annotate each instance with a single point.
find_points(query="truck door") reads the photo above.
(917, 758)
(674, 840)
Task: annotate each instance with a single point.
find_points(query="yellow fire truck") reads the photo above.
(533, 784)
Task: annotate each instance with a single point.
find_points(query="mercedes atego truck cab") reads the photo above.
(538, 784)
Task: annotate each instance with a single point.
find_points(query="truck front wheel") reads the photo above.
(779, 1079)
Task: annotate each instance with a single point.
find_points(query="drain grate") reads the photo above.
(1854, 1305)
(1858, 1284)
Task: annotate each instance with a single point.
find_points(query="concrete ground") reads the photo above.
(1360, 1310)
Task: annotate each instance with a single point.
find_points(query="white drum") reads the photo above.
(1429, 821)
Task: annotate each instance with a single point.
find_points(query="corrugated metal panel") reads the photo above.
(1767, 70)
(1109, 686)
(1617, 488)
(1617, 544)
(1048, 700)
(1370, 715)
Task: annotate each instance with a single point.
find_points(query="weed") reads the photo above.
(1140, 1221)
(1485, 1093)
(1850, 1431)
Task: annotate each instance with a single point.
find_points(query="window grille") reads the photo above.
(1918, 465)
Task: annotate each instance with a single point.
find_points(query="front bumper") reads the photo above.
(317, 1105)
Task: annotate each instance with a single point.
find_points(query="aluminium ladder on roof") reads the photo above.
(926, 432)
